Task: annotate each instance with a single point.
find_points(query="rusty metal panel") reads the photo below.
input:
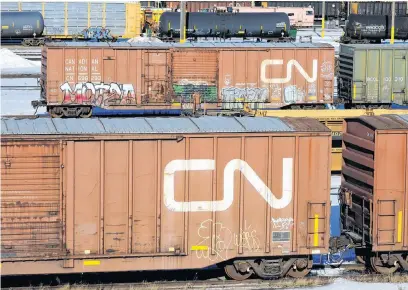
(195, 72)
(116, 182)
(145, 216)
(31, 218)
(156, 77)
(87, 191)
(389, 191)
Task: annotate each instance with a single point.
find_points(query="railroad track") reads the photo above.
(212, 280)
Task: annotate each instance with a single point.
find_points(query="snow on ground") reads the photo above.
(18, 101)
(11, 63)
(144, 39)
(343, 284)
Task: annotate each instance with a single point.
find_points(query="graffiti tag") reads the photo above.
(282, 223)
(223, 238)
(244, 94)
(99, 94)
(289, 65)
(229, 174)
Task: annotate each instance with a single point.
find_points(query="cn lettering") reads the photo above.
(221, 205)
(289, 65)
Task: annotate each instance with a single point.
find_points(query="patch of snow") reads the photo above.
(18, 102)
(9, 60)
(343, 284)
(139, 39)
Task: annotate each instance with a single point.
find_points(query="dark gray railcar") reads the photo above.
(267, 25)
(18, 25)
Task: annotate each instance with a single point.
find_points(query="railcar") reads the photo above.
(250, 195)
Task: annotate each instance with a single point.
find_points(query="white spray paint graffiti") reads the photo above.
(276, 92)
(233, 94)
(293, 94)
(326, 70)
(227, 80)
(98, 94)
(282, 223)
(289, 65)
(221, 205)
(224, 239)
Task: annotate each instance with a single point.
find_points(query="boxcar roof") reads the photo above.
(173, 125)
(385, 122)
(376, 46)
(166, 45)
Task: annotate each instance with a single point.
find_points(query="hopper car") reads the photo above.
(364, 29)
(373, 196)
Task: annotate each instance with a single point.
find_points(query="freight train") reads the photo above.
(167, 195)
(364, 29)
(270, 25)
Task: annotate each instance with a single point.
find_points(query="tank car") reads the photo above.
(373, 28)
(21, 25)
(226, 25)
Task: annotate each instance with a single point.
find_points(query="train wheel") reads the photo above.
(86, 113)
(56, 113)
(382, 268)
(299, 269)
(360, 259)
(234, 274)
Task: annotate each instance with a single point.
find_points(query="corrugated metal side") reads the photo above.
(195, 72)
(373, 74)
(358, 178)
(31, 218)
(261, 76)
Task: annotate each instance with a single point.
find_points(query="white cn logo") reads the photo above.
(289, 66)
(220, 205)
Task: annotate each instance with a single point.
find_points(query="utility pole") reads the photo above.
(182, 21)
(392, 22)
(323, 15)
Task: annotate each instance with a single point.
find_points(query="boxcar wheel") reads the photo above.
(381, 268)
(233, 274)
(299, 269)
(360, 259)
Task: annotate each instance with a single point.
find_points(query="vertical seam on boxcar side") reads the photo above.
(268, 208)
(241, 198)
(102, 198)
(158, 184)
(296, 200)
(214, 194)
(130, 197)
(186, 196)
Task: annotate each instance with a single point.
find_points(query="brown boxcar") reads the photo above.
(168, 77)
(374, 189)
(89, 195)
